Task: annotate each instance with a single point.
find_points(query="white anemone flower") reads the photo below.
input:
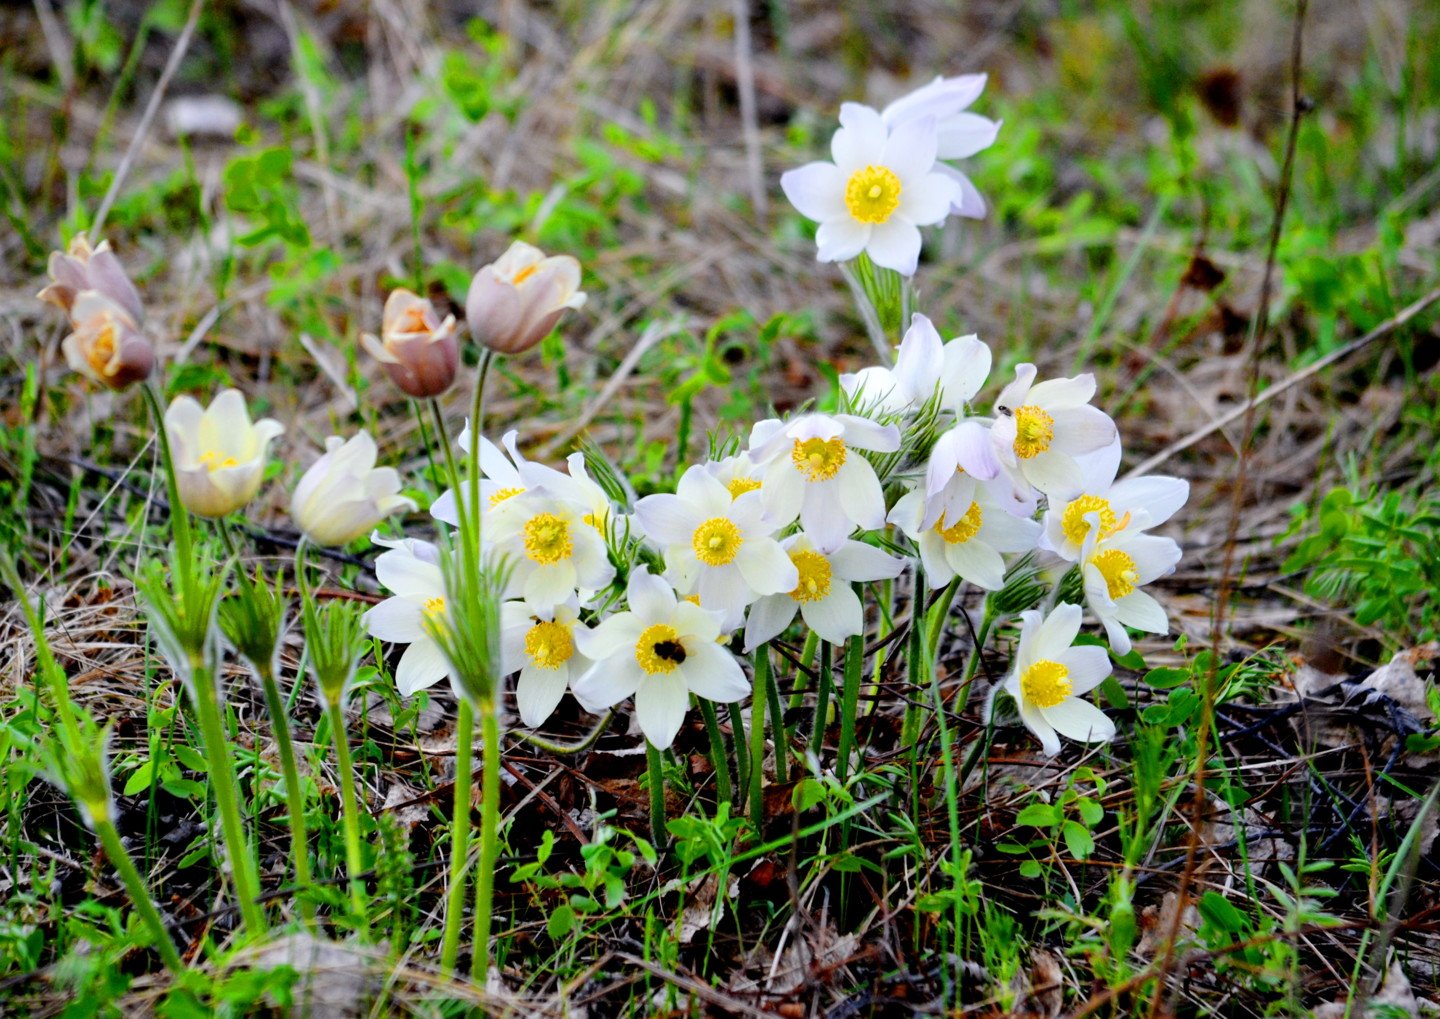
(1114, 568)
(343, 494)
(823, 596)
(813, 471)
(958, 134)
(962, 460)
(716, 546)
(661, 650)
(1051, 675)
(540, 642)
(1043, 427)
(219, 455)
(502, 476)
(970, 546)
(1132, 505)
(411, 569)
(963, 365)
(738, 473)
(551, 549)
(880, 189)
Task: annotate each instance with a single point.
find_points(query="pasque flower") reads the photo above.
(540, 642)
(219, 455)
(1114, 567)
(411, 569)
(924, 366)
(880, 189)
(420, 351)
(1050, 675)
(662, 650)
(957, 133)
(968, 545)
(1131, 506)
(551, 549)
(516, 300)
(343, 494)
(82, 268)
(106, 345)
(502, 476)
(813, 470)
(1042, 428)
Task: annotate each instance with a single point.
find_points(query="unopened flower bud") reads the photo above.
(219, 455)
(419, 351)
(84, 268)
(343, 494)
(107, 344)
(516, 300)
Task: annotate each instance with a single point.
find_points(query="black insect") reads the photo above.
(670, 651)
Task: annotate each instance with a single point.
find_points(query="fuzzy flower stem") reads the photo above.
(742, 748)
(962, 696)
(565, 749)
(459, 835)
(452, 468)
(655, 779)
(489, 838)
(349, 812)
(757, 738)
(849, 703)
(778, 732)
(179, 516)
(719, 758)
(868, 313)
(139, 894)
(294, 791)
(825, 679)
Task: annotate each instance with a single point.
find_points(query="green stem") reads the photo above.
(459, 836)
(802, 674)
(952, 803)
(350, 815)
(452, 467)
(294, 791)
(962, 695)
(778, 733)
(825, 679)
(938, 615)
(179, 516)
(655, 779)
(849, 703)
(757, 739)
(489, 838)
(742, 747)
(139, 894)
(585, 743)
(222, 776)
(719, 753)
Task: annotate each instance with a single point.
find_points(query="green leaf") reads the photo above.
(1039, 815)
(561, 921)
(1078, 840)
(1166, 678)
(140, 778)
(1219, 912)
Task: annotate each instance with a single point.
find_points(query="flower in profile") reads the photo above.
(82, 268)
(924, 364)
(739, 473)
(420, 351)
(963, 459)
(516, 300)
(502, 476)
(219, 455)
(1114, 568)
(1050, 676)
(822, 594)
(958, 134)
(1042, 428)
(550, 547)
(540, 642)
(1132, 505)
(661, 650)
(880, 189)
(106, 345)
(812, 470)
(969, 545)
(343, 494)
(411, 569)
(715, 545)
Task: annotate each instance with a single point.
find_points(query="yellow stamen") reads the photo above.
(1034, 431)
(717, 541)
(213, 461)
(872, 194)
(549, 645)
(1073, 521)
(500, 495)
(1118, 569)
(818, 459)
(963, 529)
(547, 539)
(1045, 684)
(525, 273)
(433, 606)
(740, 485)
(815, 574)
(659, 651)
(103, 349)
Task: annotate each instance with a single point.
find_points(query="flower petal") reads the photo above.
(817, 190)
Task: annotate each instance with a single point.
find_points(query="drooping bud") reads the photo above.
(420, 352)
(82, 268)
(107, 344)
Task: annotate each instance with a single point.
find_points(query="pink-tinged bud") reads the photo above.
(516, 300)
(84, 268)
(107, 345)
(419, 351)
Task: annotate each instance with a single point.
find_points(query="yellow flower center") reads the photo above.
(414, 321)
(1073, 521)
(1118, 569)
(818, 459)
(549, 645)
(547, 539)
(525, 273)
(963, 529)
(659, 649)
(717, 541)
(739, 486)
(1034, 431)
(433, 607)
(103, 349)
(872, 194)
(213, 461)
(500, 495)
(815, 573)
(595, 520)
(1045, 684)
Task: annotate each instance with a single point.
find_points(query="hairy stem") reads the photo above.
(350, 816)
(489, 838)
(459, 837)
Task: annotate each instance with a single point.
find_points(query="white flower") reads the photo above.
(716, 546)
(1042, 428)
(411, 569)
(957, 134)
(516, 300)
(1114, 568)
(738, 473)
(1133, 505)
(661, 650)
(962, 460)
(551, 549)
(344, 494)
(1050, 676)
(540, 642)
(813, 471)
(923, 363)
(501, 477)
(823, 596)
(969, 545)
(219, 455)
(579, 487)
(878, 192)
